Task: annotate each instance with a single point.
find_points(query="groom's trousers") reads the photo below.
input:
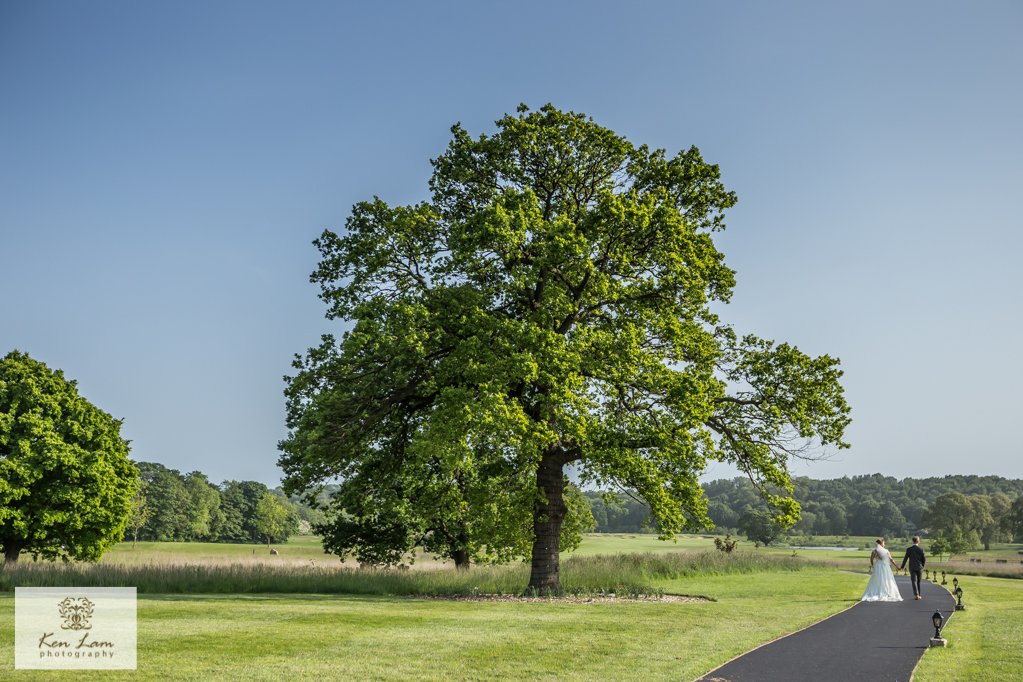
(914, 577)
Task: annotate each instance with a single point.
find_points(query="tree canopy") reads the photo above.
(1012, 522)
(759, 527)
(551, 304)
(274, 518)
(66, 483)
(968, 521)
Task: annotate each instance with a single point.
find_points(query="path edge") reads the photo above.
(912, 673)
(778, 639)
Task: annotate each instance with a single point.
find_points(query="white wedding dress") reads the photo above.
(881, 586)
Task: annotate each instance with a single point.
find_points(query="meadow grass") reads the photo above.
(307, 548)
(620, 543)
(300, 548)
(984, 641)
(270, 637)
(622, 574)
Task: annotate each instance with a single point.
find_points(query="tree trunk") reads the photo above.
(11, 553)
(461, 557)
(548, 514)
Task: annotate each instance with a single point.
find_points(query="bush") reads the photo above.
(726, 545)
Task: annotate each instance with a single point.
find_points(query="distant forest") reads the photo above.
(176, 507)
(858, 505)
(967, 511)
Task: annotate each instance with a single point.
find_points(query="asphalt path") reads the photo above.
(878, 641)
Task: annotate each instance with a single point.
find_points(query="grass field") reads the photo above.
(985, 640)
(375, 638)
(253, 631)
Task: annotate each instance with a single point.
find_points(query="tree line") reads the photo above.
(174, 507)
(965, 512)
(958, 513)
(618, 513)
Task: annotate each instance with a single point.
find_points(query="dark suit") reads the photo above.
(915, 557)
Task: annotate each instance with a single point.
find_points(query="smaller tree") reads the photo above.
(138, 513)
(939, 547)
(993, 529)
(959, 541)
(1012, 522)
(959, 518)
(274, 519)
(204, 506)
(759, 526)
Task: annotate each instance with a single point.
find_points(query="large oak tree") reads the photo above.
(550, 305)
(66, 483)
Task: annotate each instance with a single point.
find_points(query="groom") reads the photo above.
(915, 557)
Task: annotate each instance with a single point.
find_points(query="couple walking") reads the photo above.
(881, 586)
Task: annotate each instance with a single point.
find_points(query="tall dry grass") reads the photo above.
(621, 574)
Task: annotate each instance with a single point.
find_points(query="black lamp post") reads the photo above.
(937, 620)
(927, 574)
(943, 578)
(958, 592)
(955, 582)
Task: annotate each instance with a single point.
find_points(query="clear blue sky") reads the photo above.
(165, 166)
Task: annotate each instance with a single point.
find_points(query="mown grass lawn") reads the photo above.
(985, 640)
(346, 636)
(264, 637)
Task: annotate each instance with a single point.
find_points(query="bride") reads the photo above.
(881, 586)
